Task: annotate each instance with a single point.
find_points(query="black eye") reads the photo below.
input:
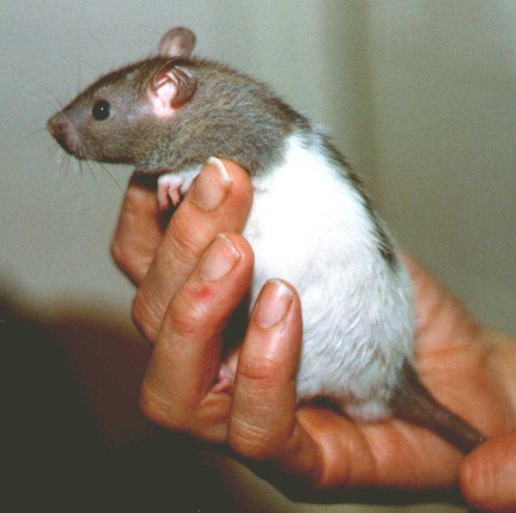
(101, 110)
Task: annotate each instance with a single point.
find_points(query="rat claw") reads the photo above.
(225, 379)
(174, 196)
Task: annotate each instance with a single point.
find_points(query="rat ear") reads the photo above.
(171, 85)
(177, 42)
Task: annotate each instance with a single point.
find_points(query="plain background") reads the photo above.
(418, 94)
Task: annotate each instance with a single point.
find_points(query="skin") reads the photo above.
(188, 283)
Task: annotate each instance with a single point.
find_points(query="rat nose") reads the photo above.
(55, 126)
(62, 130)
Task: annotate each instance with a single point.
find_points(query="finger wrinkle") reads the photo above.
(335, 471)
(347, 459)
(489, 474)
(334, 466)
(259, 368)
(156, 406)
(180, 251)
(411, 457)
(145, 313)
(253, 441)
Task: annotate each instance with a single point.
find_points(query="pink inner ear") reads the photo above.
(162, 94)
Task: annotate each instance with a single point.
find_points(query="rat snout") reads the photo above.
(64, 133)
(56, 126)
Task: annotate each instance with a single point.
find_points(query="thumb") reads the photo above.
(488, 475)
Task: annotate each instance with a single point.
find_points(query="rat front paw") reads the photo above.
(169, 190)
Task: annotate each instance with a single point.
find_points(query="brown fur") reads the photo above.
(229, 115)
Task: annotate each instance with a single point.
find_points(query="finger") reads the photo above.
(442, 322)
(186, 359)
(387, 454)
(262, 421)
(137, 234)
(488, 475)
(219, 202)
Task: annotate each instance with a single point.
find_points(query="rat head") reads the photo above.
(108, 120)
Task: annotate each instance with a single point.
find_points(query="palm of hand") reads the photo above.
(458, 365)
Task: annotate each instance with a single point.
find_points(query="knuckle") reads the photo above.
(132, 197)
(186, 316)
(144, 317)
(119, 254)
(129, 260)
(181, 233)
(151, 407)
(185, 243)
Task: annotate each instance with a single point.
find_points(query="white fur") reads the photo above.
(309, 226)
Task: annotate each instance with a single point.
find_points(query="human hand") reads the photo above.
(488, 475)
(184, 313)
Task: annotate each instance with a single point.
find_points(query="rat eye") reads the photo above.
(101, 110)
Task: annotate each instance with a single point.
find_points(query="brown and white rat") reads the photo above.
(311, 222)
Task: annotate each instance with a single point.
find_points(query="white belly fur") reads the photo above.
(310, 227)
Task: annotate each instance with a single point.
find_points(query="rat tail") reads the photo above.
(414, 403)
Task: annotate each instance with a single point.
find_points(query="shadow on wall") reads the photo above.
(73, 448)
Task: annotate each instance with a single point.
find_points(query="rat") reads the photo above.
(311, 221)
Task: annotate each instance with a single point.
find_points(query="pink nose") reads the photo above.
(64, 133)
(55, 126)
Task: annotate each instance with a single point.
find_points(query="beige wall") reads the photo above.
(419, 95)
(443, 83)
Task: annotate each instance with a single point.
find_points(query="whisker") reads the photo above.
(41, 85)
(80, 62)
(63, 164)
(88, 165)
(106, 169)
(81, 170)
(35, 92)
(34, 132)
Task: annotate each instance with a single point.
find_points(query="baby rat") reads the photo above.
(311, 222)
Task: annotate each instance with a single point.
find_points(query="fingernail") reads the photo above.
(273, 303)
(211, 185)
(219, 259)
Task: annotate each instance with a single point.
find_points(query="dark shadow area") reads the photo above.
(87, 448)
(76, 441)
(297, 492)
